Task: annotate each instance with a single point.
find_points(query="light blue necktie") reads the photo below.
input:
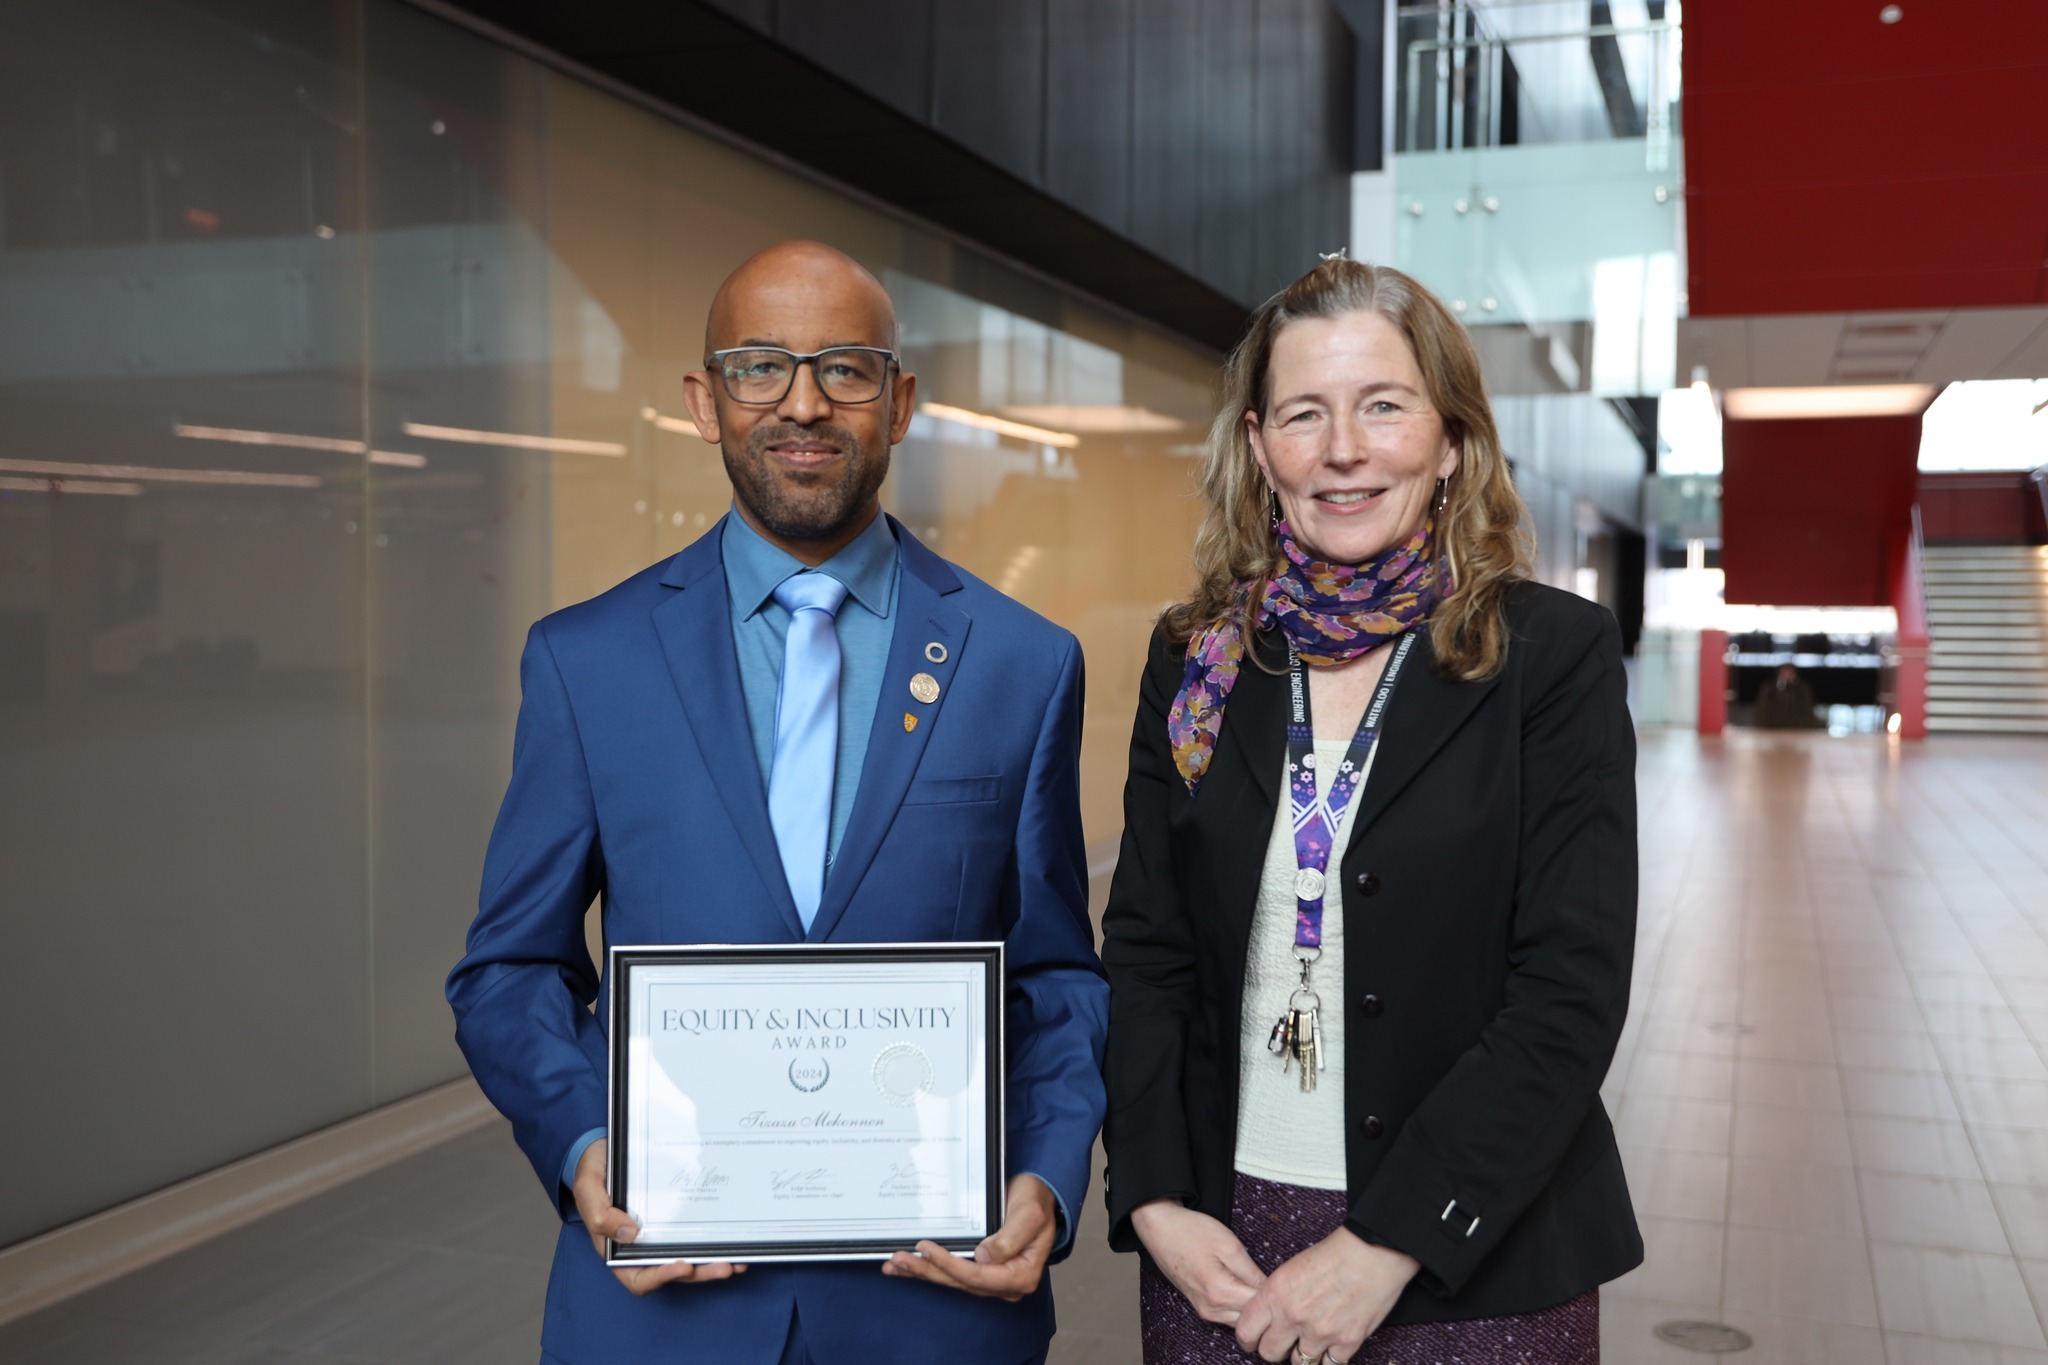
(806, 735)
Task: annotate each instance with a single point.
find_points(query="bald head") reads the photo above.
(802, 296)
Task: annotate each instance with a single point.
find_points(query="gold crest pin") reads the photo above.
(909, 722)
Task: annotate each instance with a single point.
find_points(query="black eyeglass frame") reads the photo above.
(799, 359)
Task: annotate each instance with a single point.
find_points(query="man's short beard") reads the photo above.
(802, 505)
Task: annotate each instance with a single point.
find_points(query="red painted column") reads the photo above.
(1713, 681)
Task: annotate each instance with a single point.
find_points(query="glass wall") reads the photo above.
(336, 346)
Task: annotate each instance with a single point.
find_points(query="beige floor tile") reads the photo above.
(1628, 1328)
(2033, 1018)
(1784, 1340)
(1931, 1211)
(2012, 1059)
(1971, 1020)
(1871, 1014)
(1820, 1136)
(1913, 1146)
(1789, 1042)
(1897, 1094)
(1690, 1185)
(2024, 1209)
(2012, 1104)
(2036, 1274)
(1963, 1295)
(1681, 1262)
(1679, 1125)
(1794, 1196)
(1801, 1275)
(1685, 1076)
(1686, 1035)
(1973, 988)
(2012, 1156)
(1795, 1085)
(1886, 1050)
(1903, 1348)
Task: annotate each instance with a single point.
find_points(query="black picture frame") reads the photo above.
(623, 960)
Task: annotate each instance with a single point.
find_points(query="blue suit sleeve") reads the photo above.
(523, 990)
(1057, 1009)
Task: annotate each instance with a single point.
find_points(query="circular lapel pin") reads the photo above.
(925, 688)
(935, 652)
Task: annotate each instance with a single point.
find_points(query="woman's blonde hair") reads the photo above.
(1481, 532)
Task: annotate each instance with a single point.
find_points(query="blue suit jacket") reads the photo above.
(633, 778)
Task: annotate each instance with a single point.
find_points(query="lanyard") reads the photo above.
(1316, 822)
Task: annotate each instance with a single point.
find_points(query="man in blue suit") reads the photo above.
(806, 727)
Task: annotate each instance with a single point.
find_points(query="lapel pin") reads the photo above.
(935, 652)
(925, 688)
(909, 722)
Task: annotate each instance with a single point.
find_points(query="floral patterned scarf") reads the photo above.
(1330, 613)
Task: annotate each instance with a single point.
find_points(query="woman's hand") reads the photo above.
(1326, 1301)
(1202, 1257)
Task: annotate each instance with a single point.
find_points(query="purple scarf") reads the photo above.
(1330, 613)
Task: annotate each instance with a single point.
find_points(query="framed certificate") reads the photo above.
(807, 1102)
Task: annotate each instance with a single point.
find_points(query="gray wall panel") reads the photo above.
(1228, 185)
(1166, 130)
(1088, 107)
(882, 46)
(988, 82)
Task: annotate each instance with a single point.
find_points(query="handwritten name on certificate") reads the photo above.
(811, 1102)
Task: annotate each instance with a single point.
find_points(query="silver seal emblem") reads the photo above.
(1309, 884)
(902, 1073)
(809, 1074)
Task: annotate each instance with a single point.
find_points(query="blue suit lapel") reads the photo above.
(923, 617)
(695, 626)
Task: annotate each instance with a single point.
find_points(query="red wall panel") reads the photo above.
(1809, 507)
(1989, 507)
(1835, 163)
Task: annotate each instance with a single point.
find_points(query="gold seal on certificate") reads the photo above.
(808, 1102)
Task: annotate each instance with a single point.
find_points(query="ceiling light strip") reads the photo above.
(514, 440)
(68, 486)
(1841, 400)
(1065, 440)
(64, 469)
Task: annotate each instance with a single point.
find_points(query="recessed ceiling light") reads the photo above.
(1839, 400)
(1890, 14)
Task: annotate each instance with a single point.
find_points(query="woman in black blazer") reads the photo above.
(1354, 1104)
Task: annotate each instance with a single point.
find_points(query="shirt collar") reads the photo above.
(754, 569)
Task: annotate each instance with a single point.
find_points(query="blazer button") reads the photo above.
(1373, 1006)
(1368, 883)
(1373, 1127)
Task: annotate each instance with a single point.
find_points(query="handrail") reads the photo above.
(2039, 478)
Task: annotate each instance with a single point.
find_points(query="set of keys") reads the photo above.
(1297, 1037)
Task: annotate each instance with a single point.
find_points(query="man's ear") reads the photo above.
(702, 403)
(903, 405)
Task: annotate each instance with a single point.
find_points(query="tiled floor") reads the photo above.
(1831, 1096)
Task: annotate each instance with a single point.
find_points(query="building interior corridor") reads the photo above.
(1831, 1096)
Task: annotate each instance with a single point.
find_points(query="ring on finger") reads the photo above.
(1302, 1357)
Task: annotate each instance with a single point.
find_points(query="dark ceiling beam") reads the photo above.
(705, 63)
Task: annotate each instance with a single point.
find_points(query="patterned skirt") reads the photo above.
(1277, 1221)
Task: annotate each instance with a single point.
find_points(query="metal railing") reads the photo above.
(1464, 79)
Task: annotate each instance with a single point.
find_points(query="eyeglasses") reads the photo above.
(764, 374)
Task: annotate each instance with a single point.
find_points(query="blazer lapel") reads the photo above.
(1242, 792)
(695, 627)
(923, 618)
(1255, 723)
(1426, 710)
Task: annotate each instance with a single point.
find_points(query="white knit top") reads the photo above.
(1283, 1134)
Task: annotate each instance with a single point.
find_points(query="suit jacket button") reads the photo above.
(1373, 1127)
(1368, 883)
(1373, 1005)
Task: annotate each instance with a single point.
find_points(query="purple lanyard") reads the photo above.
(1316, 822)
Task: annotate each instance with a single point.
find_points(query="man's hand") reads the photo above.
(1202, 1257)
(1326, 1301)
(605, 1221)
(1005, 1266)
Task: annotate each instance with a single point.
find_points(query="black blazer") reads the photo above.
(1489, 919)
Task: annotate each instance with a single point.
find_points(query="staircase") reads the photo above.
(1987, 614)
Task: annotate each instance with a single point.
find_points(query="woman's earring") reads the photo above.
(1274, 519)
(1443, 495)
